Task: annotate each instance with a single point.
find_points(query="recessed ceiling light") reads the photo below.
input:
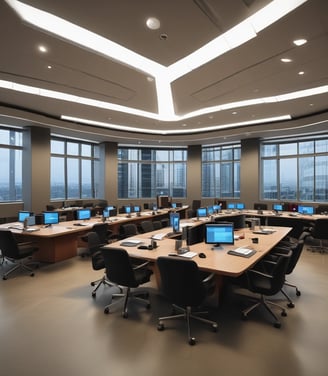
(42, 49)
(234, 113)
(49, 67)
(153, 23)
(301, 73)
(183, 125)
(286, 60)
(299, 42)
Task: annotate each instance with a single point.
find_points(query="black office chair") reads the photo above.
(157, 225)
(127, 230)
(296, 250)
(184, 287)
(97, 261)
(267, 283)
(18, 253)
(146, 226)
(319, 233)
(119, 270)
(105, 236)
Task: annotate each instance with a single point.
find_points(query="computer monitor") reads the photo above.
(306, 209)
(240, 206)
(154, 207)
(231, 205)
(217, 208)
(83, 214)
(106, 213)
(201, 212)
(219, 233)
(175, 221)
(22, 214)
(210, 210)
(173, 205)
(50, 218)
(136, 208)
(127, 209)
(277, 207)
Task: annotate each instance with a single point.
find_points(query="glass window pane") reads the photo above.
(57, 147)
(288, 149)
(269, 180)
(226, 154)
(86, 150)
(306, 147)
(321, 146)
(57, 178)
(321, 178)
(86, 179)
(73, 178)
(226, 180)
(72, 148)
(268, 150)
(288, 178)
(306, 179)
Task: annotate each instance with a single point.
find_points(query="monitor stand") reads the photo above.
(217, 247)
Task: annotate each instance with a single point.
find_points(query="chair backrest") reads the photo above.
(146, 226)
(157, 225)
(320, 228)
(270, 286)
(8, 244)
(181, 281)
(128, 229)
(94, 245)
(296, 253)
(102, 230)
(118, 265)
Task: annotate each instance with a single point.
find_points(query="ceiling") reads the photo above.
(250, 71)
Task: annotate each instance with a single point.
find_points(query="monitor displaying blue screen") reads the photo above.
(82, 214)
(50, 218)
(137, 208)
(210, 210)
(219, 233)
(173, 205)
(202, 212)
(22, 214)
(217, 207)
(175, 221)
(127, 209)
(231, 205)
(240, 206)
(105, 213)
(306, 209)
(277, 207)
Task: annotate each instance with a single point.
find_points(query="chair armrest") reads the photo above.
(208, 278)
(141, 265)
(253, 271)
(24, 244)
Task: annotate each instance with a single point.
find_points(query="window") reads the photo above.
(221, 171)
(147, 172)
(295, 170)
(11, 152)
(73, 169)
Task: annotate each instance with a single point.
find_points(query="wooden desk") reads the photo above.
(217, 261)
(59, 242)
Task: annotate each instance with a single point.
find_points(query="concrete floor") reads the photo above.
(50, 326)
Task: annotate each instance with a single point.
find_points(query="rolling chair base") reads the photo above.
(22, 266)
(266, 304)
(187, 314)
(139, 295)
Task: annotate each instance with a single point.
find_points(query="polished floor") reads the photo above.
(50, 325)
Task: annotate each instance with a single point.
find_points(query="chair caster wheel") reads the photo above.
(290, 305)
(160, 327)
(148, 306)
(125, 315)
(277, 325)
(284, 313)
(93, 294)
(32, 274)
(244, 316)
(192, 341)
(4, 278)
(298, 293)
(106, 310)
(215, 327)
(92, 284)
